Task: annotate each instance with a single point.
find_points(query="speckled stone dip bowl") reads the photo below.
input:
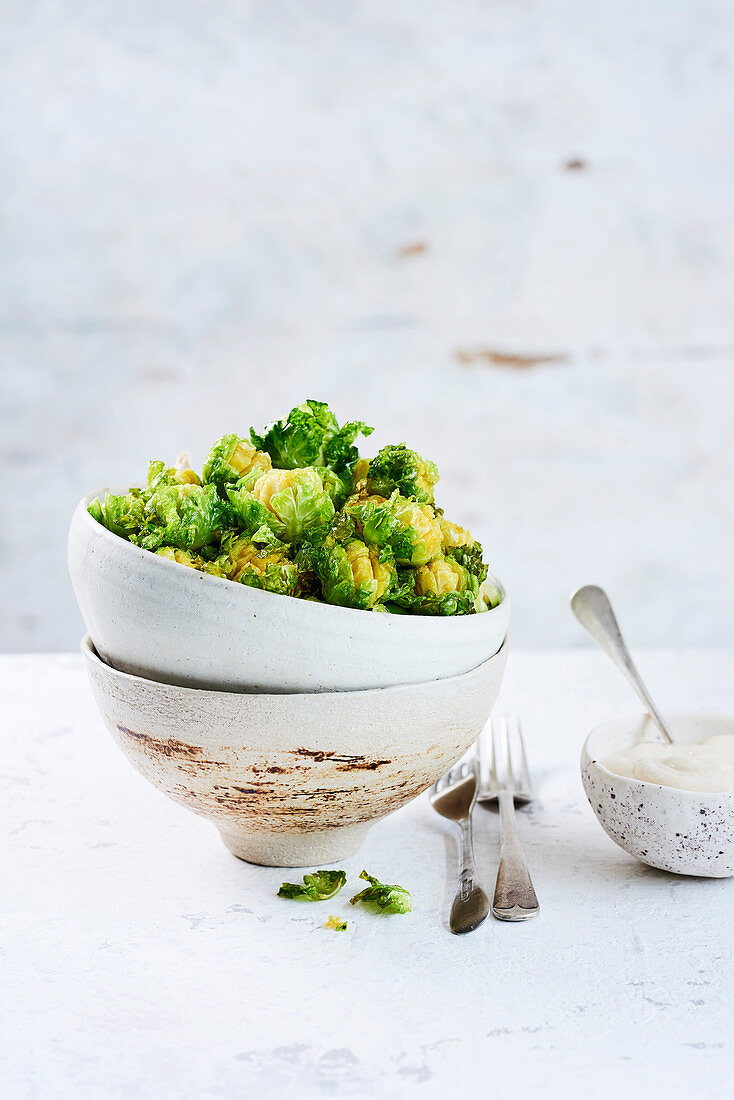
(293, 780)
(688, 832)
(153, 618)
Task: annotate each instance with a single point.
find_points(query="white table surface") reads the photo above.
(140, 959)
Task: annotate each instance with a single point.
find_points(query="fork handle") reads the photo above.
(471, 905)
(514, 895)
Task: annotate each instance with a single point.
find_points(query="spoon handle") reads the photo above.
(593, 610)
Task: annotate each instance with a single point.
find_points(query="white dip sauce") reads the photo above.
(706, 766)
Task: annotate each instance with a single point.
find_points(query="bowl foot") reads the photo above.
(295, 849)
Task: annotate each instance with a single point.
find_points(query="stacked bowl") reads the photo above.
(291, 724)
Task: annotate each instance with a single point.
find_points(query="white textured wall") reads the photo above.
(206, 209)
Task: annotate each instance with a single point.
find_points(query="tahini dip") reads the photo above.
(705, 766)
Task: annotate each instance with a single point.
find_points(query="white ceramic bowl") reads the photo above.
(153, 618)
(293, 780)
(688, 832)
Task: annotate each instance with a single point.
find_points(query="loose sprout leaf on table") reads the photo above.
(319, 886)
(383, 898)
(336, 924)
(296, 511)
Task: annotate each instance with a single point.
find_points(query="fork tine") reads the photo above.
(513, 777)
(508, 778)
(460, 771)
(493, 743)
(525, 782)
(483, 756)
(513, 772)
(441, 782)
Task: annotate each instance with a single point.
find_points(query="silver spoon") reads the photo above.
(593, 610)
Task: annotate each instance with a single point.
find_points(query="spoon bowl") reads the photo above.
(591, 606)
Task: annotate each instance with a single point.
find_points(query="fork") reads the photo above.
(509, 786)
(454, 797)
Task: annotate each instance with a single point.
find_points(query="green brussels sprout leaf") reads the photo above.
(184, 516)
(291, 512)
(397, 467)
(488, 596)
(310, 436)
(349, 575)
(401, 524)
(124, 515)
(233, 460)
(382, 898)
(259, 566)
(448, 603)
(338, 486)
(470, 558)
(319, 886)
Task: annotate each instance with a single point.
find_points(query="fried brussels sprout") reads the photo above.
(180, 557)
(443, 587)
(183, 471)
(123, 515)
(359, 475)
(440, 577)
(462, 547)
(488, 596)
(409, 529)
(173, 510)
(183, 516)
(259, 566)
(452, 534)
(193, 561)
(470, 558)
(397, 467)
(338, 486)
(234, 459)
(160, 475)
(291, 503)
(310, 436)
(351, 574)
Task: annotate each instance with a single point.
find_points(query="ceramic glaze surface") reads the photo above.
(155, 619)
(293, 779)
(688, 832)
